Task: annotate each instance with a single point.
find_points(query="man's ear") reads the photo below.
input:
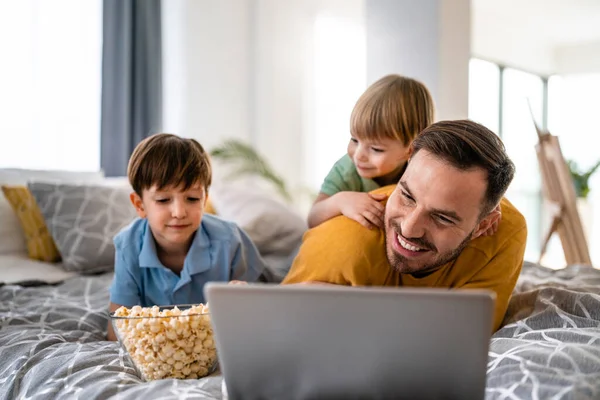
(487, 222)
(136, 200)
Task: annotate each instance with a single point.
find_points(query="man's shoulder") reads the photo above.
(339, 251)
(344, 238)
(512, 224)
(514, 220)
(387, 190)
(512, 230)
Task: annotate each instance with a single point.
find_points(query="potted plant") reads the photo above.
(581, 178)
(581, 182)
(245, 160)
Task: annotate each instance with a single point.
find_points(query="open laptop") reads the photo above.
(336, 342)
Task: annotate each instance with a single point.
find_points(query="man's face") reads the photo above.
(433, 214)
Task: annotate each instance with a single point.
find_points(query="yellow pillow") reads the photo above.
(209, 208)
(40, 244)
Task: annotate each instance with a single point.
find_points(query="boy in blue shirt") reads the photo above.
(167, 255)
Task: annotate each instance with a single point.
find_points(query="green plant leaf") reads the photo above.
(581, 178)
(247, 161)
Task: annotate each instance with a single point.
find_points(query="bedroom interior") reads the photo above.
(267, 86)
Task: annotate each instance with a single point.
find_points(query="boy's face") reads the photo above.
(377, 159)
(173, 214)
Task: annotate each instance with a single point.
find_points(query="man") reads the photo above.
(450, 194)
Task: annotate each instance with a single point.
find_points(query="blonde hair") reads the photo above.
(167, 160)
(394, 107)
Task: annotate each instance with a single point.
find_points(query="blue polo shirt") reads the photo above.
(220, 251)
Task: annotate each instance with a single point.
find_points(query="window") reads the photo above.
(50, 84)
(521, 89)
(499, 98)
(572, 115)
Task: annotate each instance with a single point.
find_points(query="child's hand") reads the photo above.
(494, 226)
(238, 282)
(364, 208)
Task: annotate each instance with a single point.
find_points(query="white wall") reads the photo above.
(244, 69)
(282, 34)
(207, 69)
(429, 40)
(541, 36)
(248, 69)
(519, 46)
(512, 33)
(578, 59)
(454, 55)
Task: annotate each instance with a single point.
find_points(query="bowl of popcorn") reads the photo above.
(167, 342)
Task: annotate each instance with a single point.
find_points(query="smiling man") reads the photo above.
(435, 216)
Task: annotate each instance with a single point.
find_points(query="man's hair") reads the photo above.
(167, 160)
(394, 107)
(466, 145)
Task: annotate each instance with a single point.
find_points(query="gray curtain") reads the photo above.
(131, 79)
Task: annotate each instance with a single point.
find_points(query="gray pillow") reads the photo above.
(83, 219)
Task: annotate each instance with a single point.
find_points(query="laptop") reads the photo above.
(337, 342)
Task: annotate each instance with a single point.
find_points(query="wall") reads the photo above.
(427, 40)
(207, 47)
(578, 59)
(244, 69)
(248, 69)
(512, 45)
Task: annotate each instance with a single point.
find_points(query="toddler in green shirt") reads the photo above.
(385, 120)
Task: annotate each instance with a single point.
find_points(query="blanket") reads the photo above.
(52, 343)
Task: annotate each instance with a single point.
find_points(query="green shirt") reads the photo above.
(343, 177)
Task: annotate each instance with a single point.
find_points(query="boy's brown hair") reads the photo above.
(394, 107)
(167, 160)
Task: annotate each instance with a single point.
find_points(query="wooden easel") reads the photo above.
(559, 191)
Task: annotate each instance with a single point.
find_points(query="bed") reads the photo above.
(53, 324)
(52, 343)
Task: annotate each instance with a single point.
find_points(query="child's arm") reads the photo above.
(246, 262)
(364, 208)
(124, 289)
(110, 334)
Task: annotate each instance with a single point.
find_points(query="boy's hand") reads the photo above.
(494, 226)
(364, 208)
(238, 282)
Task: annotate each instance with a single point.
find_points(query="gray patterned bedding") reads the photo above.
(51, 343)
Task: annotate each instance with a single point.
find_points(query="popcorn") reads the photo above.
(170, 343)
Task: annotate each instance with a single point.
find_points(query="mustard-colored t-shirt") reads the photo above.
(343, 252)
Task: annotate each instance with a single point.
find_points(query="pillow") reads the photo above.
(273, 226)
(18, 269)
(12, 238)
(40, 245)
(210, 207)
(83, 219)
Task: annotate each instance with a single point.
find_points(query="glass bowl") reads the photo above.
(167, 342)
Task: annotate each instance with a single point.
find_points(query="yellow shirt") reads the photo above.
(343, 252)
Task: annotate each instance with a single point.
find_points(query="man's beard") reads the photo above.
(399, 262)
